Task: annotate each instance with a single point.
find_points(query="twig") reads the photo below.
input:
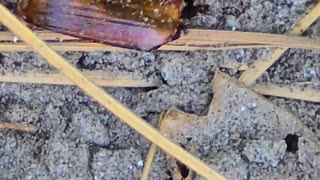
(106, 100)
(17, 127)
(253, 73)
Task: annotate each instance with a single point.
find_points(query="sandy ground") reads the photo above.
(78, 139)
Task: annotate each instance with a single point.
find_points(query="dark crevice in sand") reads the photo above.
(92, 151)
(292, 141)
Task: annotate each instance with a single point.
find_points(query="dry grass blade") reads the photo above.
(17, 127)
(148, 163)
(91, 47)
(63, 47)
(253, 73)
(213, 47)
(105, 99)
(194, 40)
(287, 92)
(151, 153)
(101, 79)
(43, 35)
(207, 37)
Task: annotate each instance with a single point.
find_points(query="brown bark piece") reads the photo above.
(236, 117)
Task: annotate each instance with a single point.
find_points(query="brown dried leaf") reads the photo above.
(135, 24)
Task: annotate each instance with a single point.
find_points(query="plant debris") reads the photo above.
(134, 24)
(236, 140)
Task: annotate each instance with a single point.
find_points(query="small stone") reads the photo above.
(15, 39)
(140, 164)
